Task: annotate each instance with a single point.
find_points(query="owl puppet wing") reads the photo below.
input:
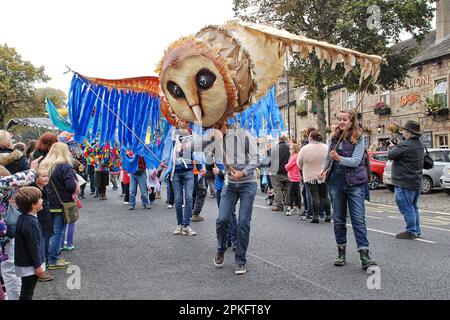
(224, 69)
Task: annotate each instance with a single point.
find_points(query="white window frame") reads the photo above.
(437, 142)
(385, 96)
(350, 103)
(440, 91)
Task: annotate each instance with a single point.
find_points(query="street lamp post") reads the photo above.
(288, 102)
(288, 106)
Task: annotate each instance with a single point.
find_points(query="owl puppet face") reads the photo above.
(195, 82)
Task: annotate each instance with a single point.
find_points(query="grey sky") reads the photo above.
(102, 38)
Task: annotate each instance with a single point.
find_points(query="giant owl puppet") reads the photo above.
(224, 69)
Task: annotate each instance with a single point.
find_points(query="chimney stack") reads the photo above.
(442, 19)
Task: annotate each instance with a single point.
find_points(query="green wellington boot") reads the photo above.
(366, 261)
(340, 259)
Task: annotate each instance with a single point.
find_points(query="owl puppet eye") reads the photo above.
(175, 90)
(205, 79)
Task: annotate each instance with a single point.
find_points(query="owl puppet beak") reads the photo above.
(197, 112)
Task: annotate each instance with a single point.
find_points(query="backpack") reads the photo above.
(10, 218)
(428, 163)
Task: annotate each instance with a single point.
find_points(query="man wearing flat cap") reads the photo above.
(407, 168)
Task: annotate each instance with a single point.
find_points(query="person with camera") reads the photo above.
(407, 168)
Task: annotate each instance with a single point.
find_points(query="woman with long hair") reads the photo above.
(347, 177)
(58, 164)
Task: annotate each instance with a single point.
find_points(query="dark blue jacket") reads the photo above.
(18, 165)
(407, 164)
(65, 182)
(44, 216)
(29, 248)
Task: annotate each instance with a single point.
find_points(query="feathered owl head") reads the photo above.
(196, 82)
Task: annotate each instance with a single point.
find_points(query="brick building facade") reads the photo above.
(429, 77)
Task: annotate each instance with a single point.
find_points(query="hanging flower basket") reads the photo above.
(394, 128)
(301, 109)
(433, 106)
(381, 108)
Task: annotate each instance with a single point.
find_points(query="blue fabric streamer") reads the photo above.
(58, 120)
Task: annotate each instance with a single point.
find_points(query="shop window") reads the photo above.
(441, 141)
(440, 92)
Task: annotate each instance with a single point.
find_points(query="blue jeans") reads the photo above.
(344, 197)
(55, 240)
(200, 194)
(231, 193)
(140, 180)
(407, 202)
(183, 180)
(232, 226)
(307, 200)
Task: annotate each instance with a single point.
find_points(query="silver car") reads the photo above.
(431, 178)
(445, 179)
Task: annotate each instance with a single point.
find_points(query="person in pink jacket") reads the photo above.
(295, 198)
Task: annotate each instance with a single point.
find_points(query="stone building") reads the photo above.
(382, 111)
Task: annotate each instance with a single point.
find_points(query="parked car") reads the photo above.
(445, 179)
(431, 178)
(378, 161)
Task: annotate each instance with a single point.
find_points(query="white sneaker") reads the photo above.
(178, 230)
(188, 231)
(170, 206)
(125, 202)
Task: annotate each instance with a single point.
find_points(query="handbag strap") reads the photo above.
(56, 191)
(426, 150)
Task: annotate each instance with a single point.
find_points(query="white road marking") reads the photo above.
(393, 234)
(395, 208)
(423, 226)
(255, 205)
(372, 217)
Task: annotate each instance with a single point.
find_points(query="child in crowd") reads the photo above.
(126, 187)
(81, 170)
(44, 216)
(152, 185)
(29, 251)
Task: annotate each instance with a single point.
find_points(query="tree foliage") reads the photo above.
(17, 79)
(345, 23)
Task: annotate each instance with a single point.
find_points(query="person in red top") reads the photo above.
(126, 187)
(293, 172)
